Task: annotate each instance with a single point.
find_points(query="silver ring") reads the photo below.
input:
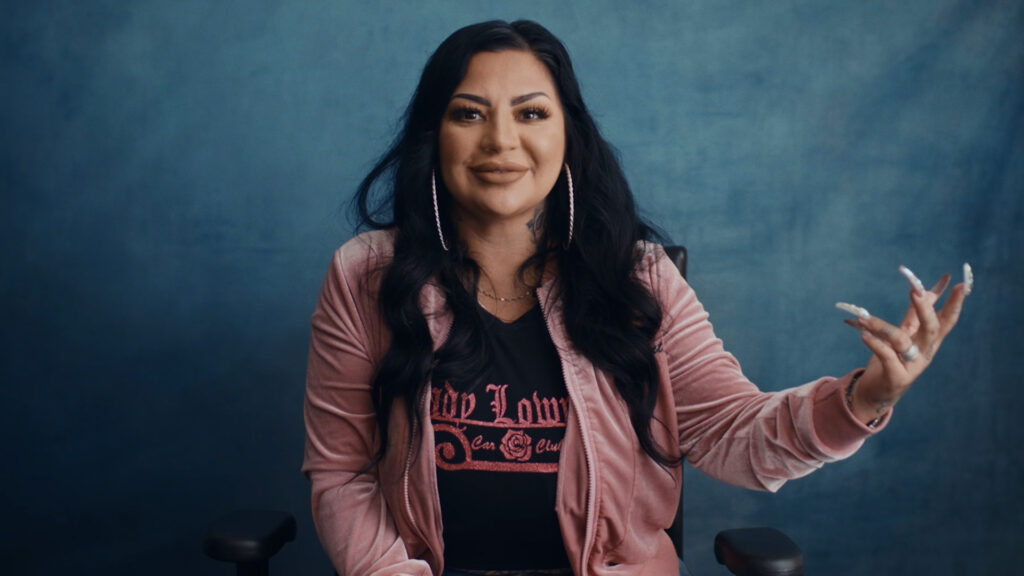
(910, 354)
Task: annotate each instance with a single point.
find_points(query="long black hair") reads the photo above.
(609, 315)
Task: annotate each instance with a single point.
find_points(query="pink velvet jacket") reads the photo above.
(613, 502)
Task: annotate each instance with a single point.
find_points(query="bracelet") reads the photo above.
(849, 401)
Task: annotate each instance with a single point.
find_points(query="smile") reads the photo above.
(498, 173)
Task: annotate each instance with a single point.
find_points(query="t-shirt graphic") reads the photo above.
(482, 431)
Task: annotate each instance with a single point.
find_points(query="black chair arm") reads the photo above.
(249, 538)
(678, 256)
(758, 552)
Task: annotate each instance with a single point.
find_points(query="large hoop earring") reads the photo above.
(572, 204)
(437, 213)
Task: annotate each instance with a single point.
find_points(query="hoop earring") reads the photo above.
(572, 204)
(437, 213)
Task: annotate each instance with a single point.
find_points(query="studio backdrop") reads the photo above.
(176, 175)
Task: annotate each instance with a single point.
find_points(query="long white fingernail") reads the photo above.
(968, 278)
(915, 282)
(853, 309)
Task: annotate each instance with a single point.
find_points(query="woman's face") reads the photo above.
(502, 139)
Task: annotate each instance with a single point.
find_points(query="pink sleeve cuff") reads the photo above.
(836, 426)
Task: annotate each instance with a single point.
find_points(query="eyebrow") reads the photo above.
(485, 102)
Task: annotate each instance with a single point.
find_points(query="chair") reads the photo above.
(250, 538)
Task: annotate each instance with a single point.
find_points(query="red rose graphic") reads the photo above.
(517, 445)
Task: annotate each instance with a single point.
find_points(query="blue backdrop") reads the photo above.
(174, 179)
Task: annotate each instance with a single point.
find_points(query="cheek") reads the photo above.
(449, 159)
(445, 145)
(453, 151)
(550, 151)
(454, 142)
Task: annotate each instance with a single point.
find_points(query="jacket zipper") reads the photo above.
(588, 458)
(409, 453)
(405, 483)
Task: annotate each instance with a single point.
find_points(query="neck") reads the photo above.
(501, 250)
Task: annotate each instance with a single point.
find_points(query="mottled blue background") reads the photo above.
(174, 178)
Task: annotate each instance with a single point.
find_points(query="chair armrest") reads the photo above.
(758, 552)
(248, 536)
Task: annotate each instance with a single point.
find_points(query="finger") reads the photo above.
(929, 331)
(910, 321)
(950, 313)
(882, 349)
(896, 339)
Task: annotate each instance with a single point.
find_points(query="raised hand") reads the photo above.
(901, 353)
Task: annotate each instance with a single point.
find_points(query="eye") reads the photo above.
(534, 113)
(465, 114)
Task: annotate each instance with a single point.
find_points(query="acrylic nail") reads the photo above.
(915, 282)
(968, 278)
(853, 309)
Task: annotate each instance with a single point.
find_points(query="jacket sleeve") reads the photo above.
(727, 427)
(351, 515)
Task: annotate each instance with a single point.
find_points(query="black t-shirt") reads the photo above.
(497, 451)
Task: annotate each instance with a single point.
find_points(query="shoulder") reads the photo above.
(652, 264)
(364, 254)
(650, 252)
(358, 265)
(658, 273)
(376, 245)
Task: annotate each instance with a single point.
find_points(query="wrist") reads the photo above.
(869, 413)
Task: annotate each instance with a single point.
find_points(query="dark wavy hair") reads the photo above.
(610, 316)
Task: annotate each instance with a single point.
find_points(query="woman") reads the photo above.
(505, 374)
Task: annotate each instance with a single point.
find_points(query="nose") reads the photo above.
(501, 134)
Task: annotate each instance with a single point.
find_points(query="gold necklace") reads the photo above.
(523, 296)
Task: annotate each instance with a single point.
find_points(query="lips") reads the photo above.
(498, 172)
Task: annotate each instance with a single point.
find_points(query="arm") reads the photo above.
(351, 516)
(727, 427)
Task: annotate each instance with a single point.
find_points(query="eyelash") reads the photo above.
(540, 112)
(463, 113)
(467, 113)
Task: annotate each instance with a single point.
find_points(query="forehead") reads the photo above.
(507, 73)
